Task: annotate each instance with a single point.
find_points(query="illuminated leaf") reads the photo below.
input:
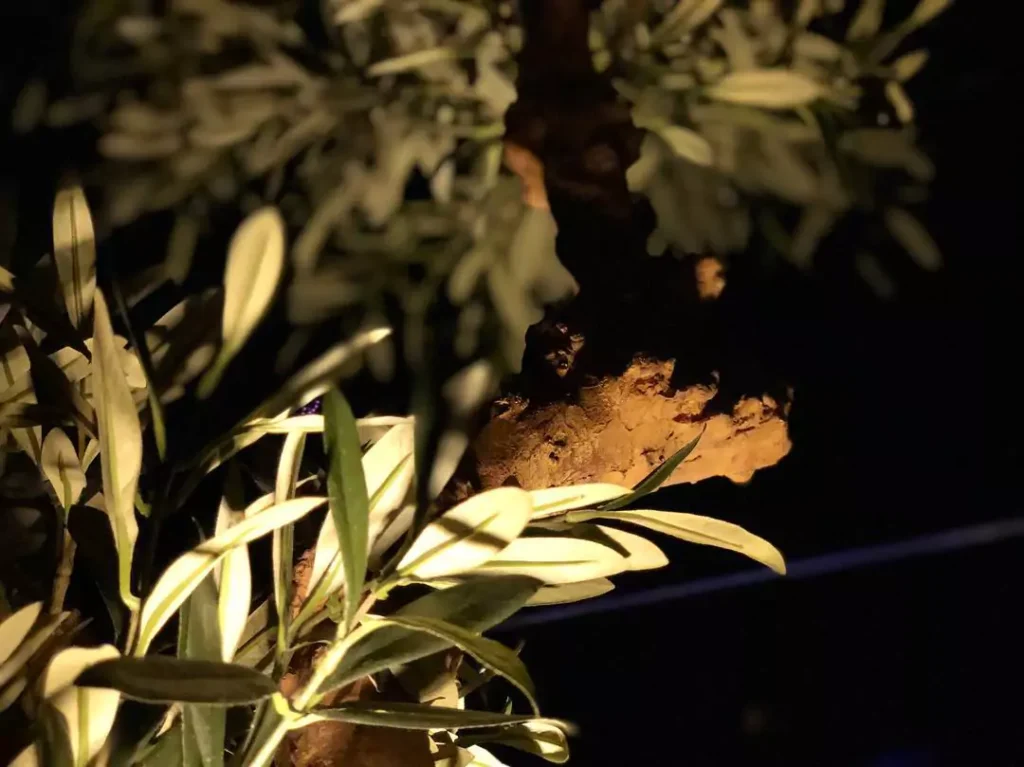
(415, 716)
(62, 468)
(120, 437)
(234, 580)
(186, 572)
(571, 592)
(350, 503)
(254, 268)
(696, 529)
(556, 500)
(74, 251)
(468, 535)
(15, 628)
(768, 88)
(556, 559)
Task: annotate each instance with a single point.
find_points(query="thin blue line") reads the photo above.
(849, 559)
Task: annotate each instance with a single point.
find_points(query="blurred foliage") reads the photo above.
(751, 111)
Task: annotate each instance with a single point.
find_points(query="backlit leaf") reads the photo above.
(696, 529)
(120, 437)
(15, 628)
(74, 251)
(64, 668)
(186, 572)
(62, 468)
(556, 559)
(867, 21)
(234, 581)
(768, 88)
(687, 144)
(468, 535)
(571, 592)
(254, 268)
(556, 500)
(908, 65)
(643, 555)
(161, 679)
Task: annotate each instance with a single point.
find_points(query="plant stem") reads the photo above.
(63, 575)
(310, 694)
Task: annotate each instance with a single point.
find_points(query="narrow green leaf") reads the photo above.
(489, 653)
(120, 443)
(160, 679)
(476, 606)
(415, 716)
(202, 726)
(350, 504)
(656, 478)
(696, 529)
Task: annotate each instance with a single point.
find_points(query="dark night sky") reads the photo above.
(902, 429)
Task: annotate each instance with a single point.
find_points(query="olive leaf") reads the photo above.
(15, 628)
(62, 468)
(199, 638)
(120, 436)
(767, 88)
(233, 575)
(161, 679)
(74, 251)
(415, 716)
(642, 554)
(545, 738)
(254, 268)
(388, 471)
(475, 605)
(186, 572)
(695, 529)
(468, 535)
(491, 654)
(553, 501)
(556, 559)
(571, 592)
(656, 478)
(349, 502)
(282, 544)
